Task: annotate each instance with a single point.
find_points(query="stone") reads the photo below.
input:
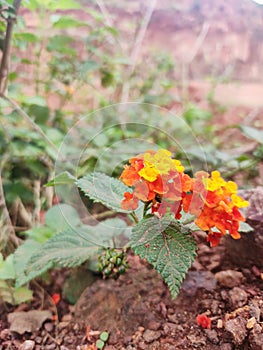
(229, 278)
(256, 337)
(212, 335)
(251, 323)
(149, 335)
(27, 345)
(238, 297)
(30, 321)
(237, 328)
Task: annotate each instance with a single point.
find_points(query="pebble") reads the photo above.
(237, 328)
(212, 335)
(251, 322)
(256, 337)
(149, 335)
(49, 326)
(27, 345)
(229, 278)
(238, 297)
(154, 325)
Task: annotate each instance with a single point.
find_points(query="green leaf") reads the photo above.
(69, 248)
(100, 344)
(61, 217)
(21, 257)
(60, 43)
(39, 233)
(104, 336)
(64, 5)
(64, 178)
(7, 270)
(36, 100)
(65, 22)
(104, 189)
(66, 249)
(245, 227)
(253, 133)
(88, 66)
(22, 294)
(168, 246)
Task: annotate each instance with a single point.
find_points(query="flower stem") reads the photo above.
(134, 216)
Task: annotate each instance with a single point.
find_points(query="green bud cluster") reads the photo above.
(112, 262)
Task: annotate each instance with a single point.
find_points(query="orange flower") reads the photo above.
(129, 202)
(159, 180)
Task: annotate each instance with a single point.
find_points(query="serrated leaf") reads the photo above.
(64, 178)
(21, 257)
(104, 189)
(71, 248)
(168, 246)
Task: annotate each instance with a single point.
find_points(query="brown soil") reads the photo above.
(138, 312)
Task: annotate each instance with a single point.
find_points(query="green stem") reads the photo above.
(188, 221)
(134, 216)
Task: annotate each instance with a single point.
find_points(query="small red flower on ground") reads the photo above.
(56, 298)
(204, 321)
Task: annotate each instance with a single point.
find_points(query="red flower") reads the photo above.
(56, 298)
(203, 321)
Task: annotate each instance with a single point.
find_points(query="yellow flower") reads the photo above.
(216, 182)
(230, 187)
(178, 166)
(149, 173)
(239, 202)
(161, 161)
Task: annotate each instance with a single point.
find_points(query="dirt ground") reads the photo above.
(224, 282)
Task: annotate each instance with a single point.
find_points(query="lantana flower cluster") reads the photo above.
(159, 181)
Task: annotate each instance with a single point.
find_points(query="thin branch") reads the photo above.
(5, 62)
(107, 17)
(13, 239)
(134, 58)
(185, 67)
(29, 121)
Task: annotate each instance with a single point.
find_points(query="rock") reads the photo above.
(49, 326)
(238, 297)
(256, 308)
(256, 337)
(31, 321)
(154, 325)
(251, 323)
(198, 279)
(237, 328)
(149, 335)
(212, 335)
(229, 278)
(27, 345)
